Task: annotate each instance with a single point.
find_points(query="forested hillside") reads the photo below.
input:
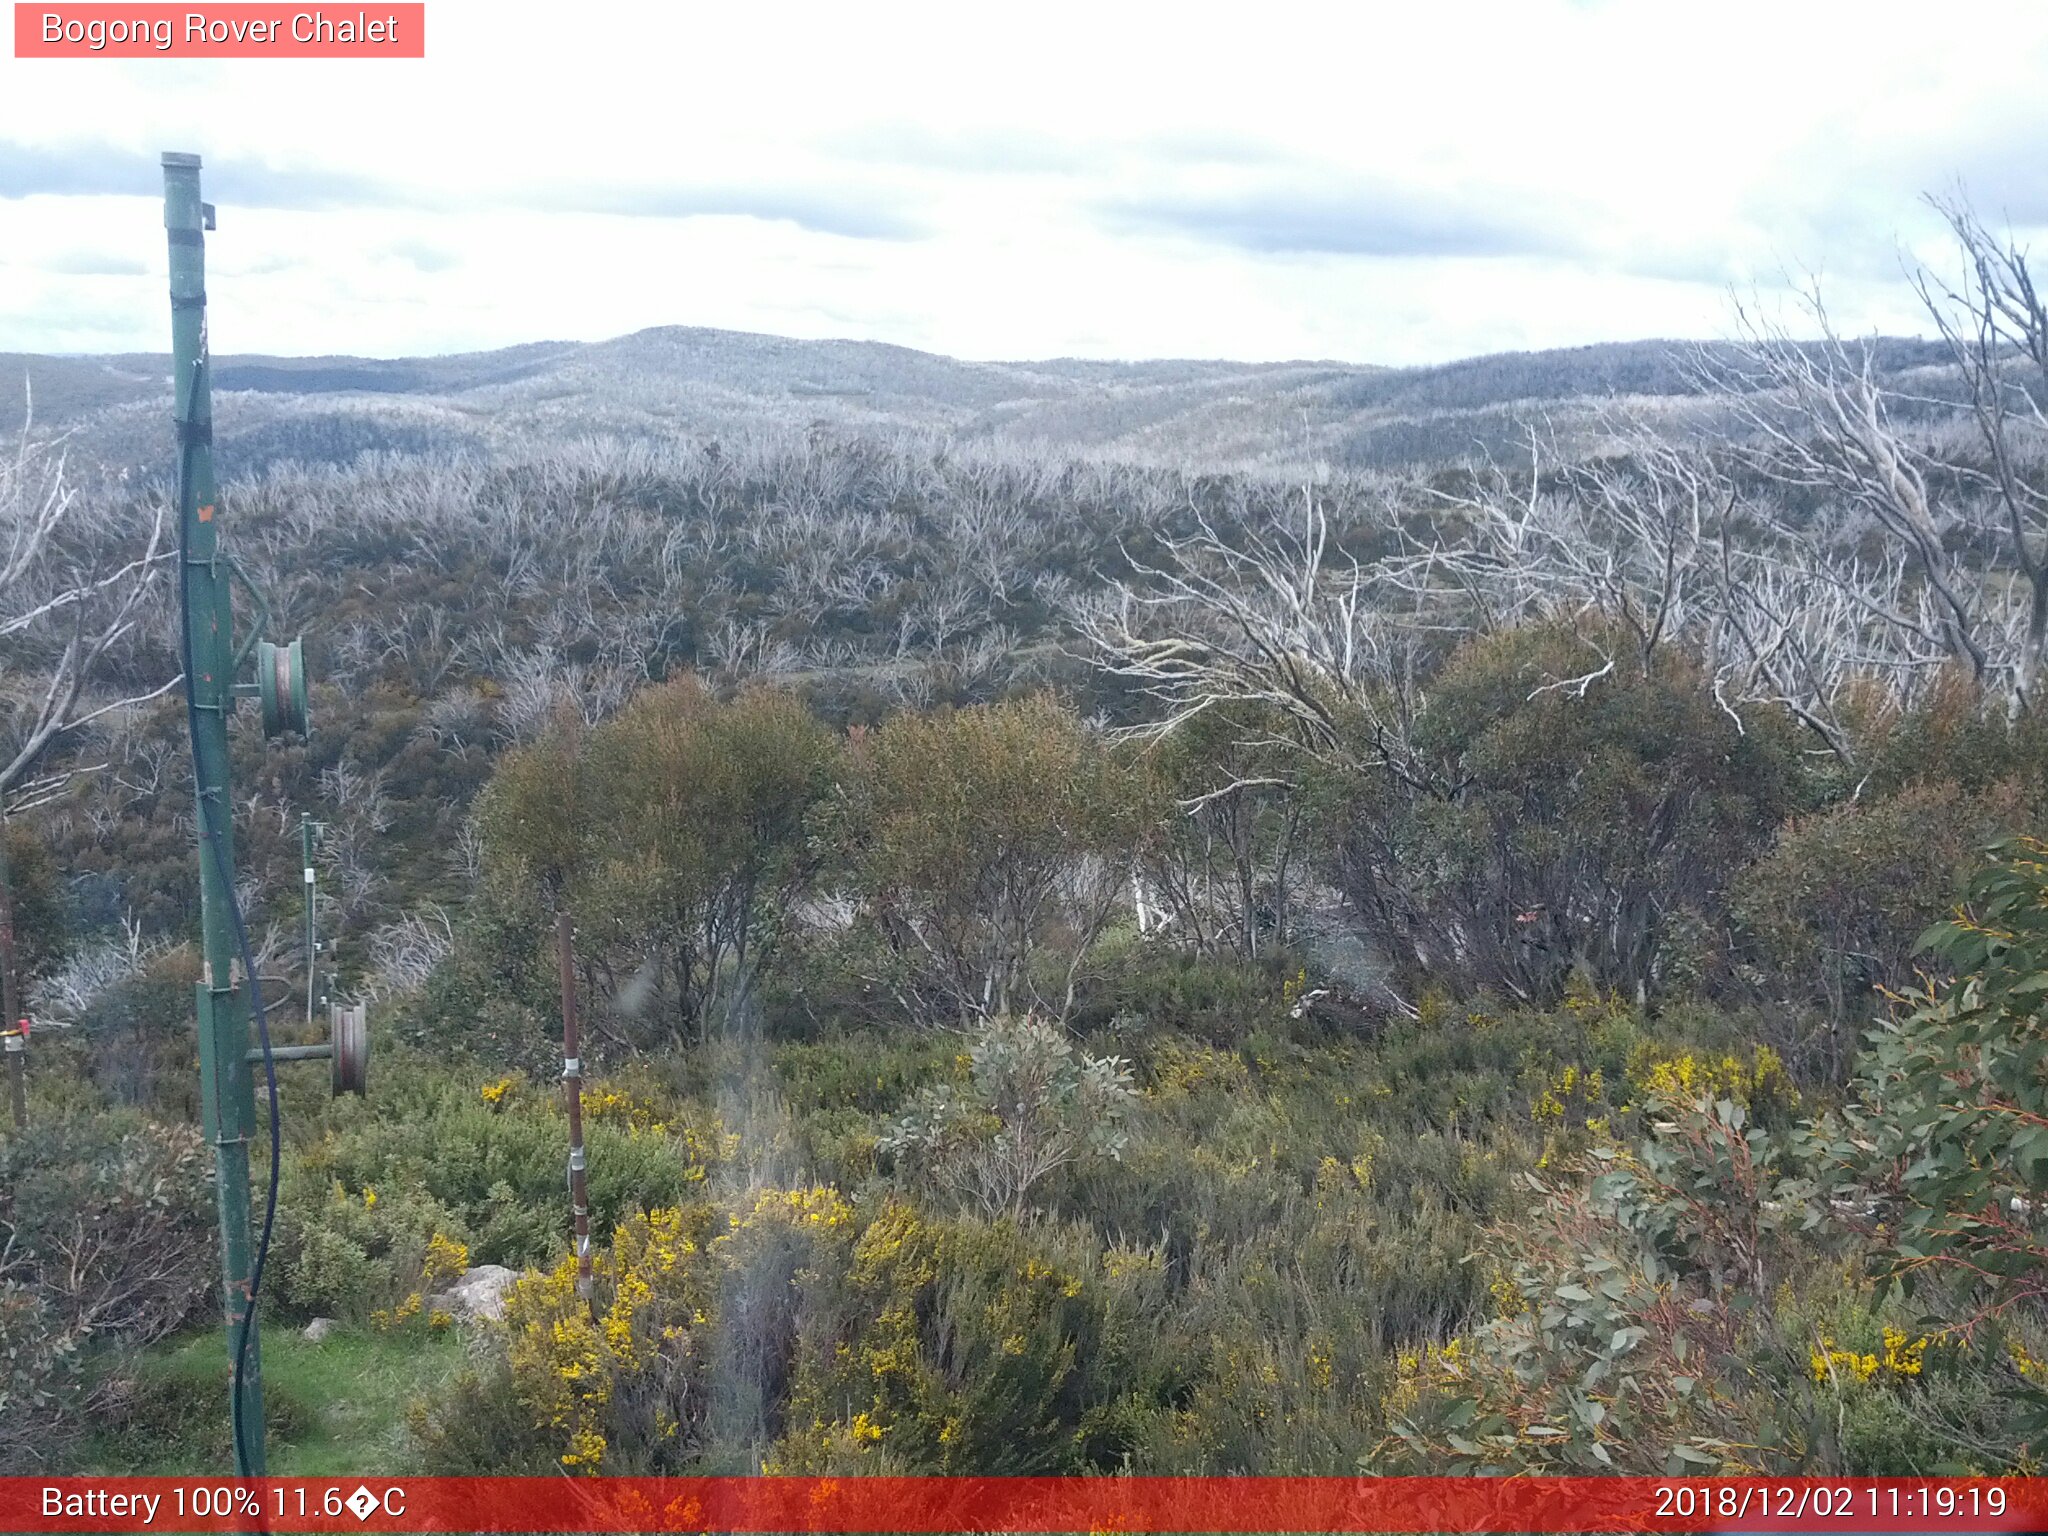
(1491, 918)
(651, 387)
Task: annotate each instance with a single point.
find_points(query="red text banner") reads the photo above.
(1102, 1504)
(225, 31)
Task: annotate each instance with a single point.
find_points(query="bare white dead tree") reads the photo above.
(72, 590)
(356, 793)
(1659, 542)
(466, 858)
(1620, 536)
(458, 719)
(1842, 437)
(87, 972)
(1786, 629)
(1961, 517)
(1996, 328)
(1267, 617)
(403, 954)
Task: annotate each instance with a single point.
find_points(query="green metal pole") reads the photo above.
(227, 1085)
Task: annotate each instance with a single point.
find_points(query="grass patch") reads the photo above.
(333, 1408)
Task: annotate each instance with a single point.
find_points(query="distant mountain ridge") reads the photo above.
(694, 380)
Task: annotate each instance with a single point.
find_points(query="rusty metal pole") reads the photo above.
(572, 1098)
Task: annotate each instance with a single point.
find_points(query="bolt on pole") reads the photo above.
(227, 1083)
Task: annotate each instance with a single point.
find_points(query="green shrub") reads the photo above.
(492, 1170)
(965, 1346)
(40, 1379)
(356, 1251)
(142, 1045)
(862, 1072)
(1942, 1152)
(1031, 1105)
(110, 1218)
(1627, 1319)
(1159, 987)
(1837, 907)
(477, 1425)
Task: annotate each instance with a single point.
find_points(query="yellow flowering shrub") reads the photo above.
(447, 1259)
(963, 1346)
(818, 1206)
(1901, 1360)
(2030, 1368)
(1321, 1370)
(1183, 1068)
(683, 1295)
(1293, 989)
(623, 1366)
(1570, 1095)
(1426, 1365)
(1589, 1004)
(705, 1147)
(601, 1102)
(1759, 1082)
(384, 1319)
(1338, 1182)
(1122, 1262)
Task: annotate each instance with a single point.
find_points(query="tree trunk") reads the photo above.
(2029, 668)
(10, 1010)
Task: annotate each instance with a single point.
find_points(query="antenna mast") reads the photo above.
(227, 1083)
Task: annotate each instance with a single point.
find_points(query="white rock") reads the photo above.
(479, 1293)
(317, 1330)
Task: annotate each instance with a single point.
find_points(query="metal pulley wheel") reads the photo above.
(281, 686)
(349, 1028)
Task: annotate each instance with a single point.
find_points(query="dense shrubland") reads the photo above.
(1203, 1210)
(1092, 968)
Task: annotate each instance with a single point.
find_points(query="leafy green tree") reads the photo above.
(1562, 816)
(41, 924)
(699, 854)
(534, 815)
(675, 832)
(987, 847)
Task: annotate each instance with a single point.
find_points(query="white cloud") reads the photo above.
(1371, 182)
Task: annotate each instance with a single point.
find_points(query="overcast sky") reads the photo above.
(1377, 182)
